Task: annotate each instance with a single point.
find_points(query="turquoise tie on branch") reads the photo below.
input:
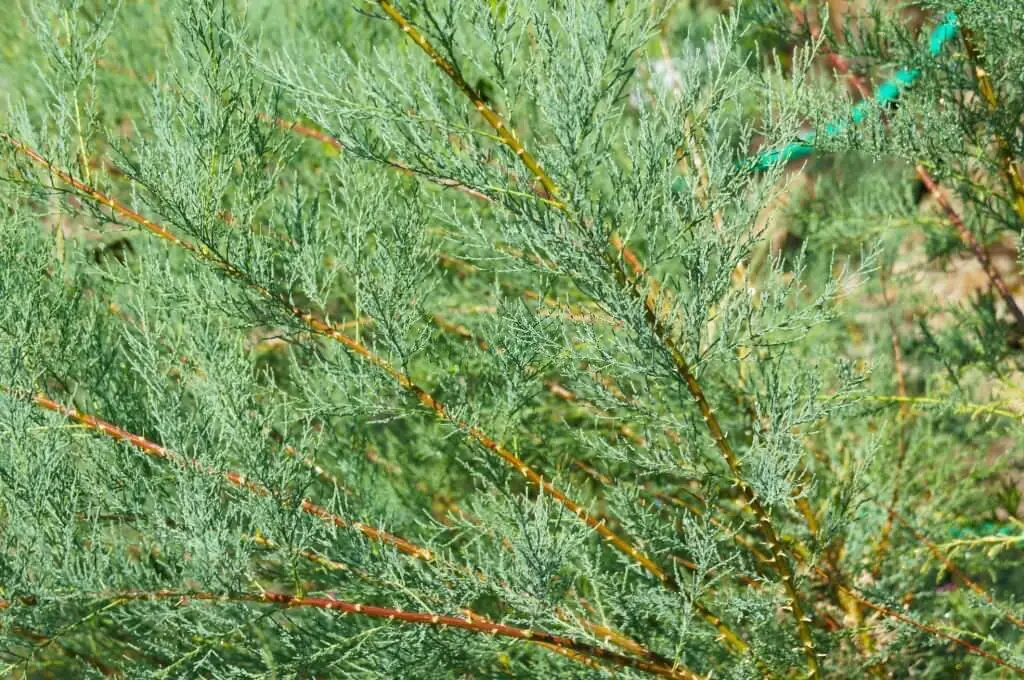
(886, 93)
(984, 530)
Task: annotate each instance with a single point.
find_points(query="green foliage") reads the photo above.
(457, 339)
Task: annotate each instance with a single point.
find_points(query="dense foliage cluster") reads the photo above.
(460, 338)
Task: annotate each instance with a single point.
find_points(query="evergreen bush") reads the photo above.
(511, 338)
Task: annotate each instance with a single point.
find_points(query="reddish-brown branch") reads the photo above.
(904, 415)
(234, 478)
(473, 623)
(957, 573)
(969, 239)
(162, 453)
(304, 130)
(931, 630)
(836, 61)
(331, 330)
(98, 196)
(573, 654)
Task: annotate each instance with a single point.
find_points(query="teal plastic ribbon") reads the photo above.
(983, 530)
(886, 93)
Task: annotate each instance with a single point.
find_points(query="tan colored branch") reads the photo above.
(1010, 169)
(509, 138)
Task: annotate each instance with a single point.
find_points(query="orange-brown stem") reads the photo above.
(157, 451)
(234, 478)
(473, 623)
(931, 630)
(956, 571)
(357, 348)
